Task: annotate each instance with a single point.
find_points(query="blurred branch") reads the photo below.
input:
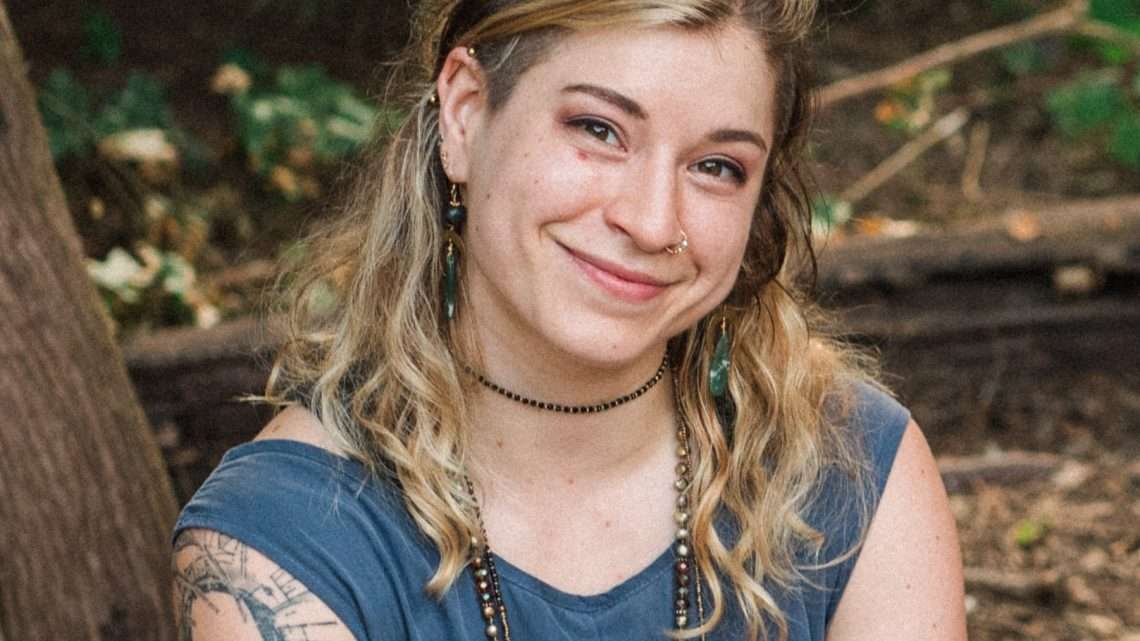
(942, 129)
(1070, 17)
(1111, 33)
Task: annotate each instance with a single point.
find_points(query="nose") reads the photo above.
(649, 208)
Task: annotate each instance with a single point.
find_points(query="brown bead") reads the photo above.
(488, 612)
(682, 566)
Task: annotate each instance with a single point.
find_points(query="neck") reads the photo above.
(529, 449)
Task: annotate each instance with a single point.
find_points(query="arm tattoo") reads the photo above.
(212, 571)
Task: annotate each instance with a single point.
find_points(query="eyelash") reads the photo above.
(586, 124)
(590, 126)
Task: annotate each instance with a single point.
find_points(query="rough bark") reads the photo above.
(85, 502)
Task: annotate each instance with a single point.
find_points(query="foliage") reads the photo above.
(827, 213)
(1029, 532)
(103, 40)
(157, 284)
(910, 106)
(297, 122)
(76, 128)
(1100, 106)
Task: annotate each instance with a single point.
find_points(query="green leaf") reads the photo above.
(1124, 14)
(1087, 103)
(1125, 142)
(1027, 533)
(103, 40)
(1022, 58)
(141, 104)
(65, 108)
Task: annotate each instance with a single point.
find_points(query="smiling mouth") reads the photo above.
(615, 280)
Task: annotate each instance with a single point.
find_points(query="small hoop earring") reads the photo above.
(680, 247)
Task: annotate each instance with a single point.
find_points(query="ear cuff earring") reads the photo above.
(680, 247)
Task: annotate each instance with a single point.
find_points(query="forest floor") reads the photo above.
(1056, 556)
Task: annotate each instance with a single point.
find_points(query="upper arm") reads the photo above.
(225, 590)
(907, 582)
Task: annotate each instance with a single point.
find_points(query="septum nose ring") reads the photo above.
(680, 247)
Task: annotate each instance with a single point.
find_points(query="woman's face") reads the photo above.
(607, 149)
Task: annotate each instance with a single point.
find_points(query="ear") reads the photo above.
(461, 88)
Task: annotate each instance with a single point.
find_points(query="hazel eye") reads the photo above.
(598, 129)
(721, 169)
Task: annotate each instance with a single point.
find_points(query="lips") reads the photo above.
(622, 283)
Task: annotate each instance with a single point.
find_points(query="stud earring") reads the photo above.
(453, 219)
(721, 361)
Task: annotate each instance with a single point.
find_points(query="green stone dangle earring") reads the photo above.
(721, 361)
(453, 219)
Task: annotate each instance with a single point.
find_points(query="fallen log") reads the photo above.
(974, 336)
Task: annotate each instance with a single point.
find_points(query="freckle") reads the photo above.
(499, 443)
(606, 524)
(908, 586)
(570, 481)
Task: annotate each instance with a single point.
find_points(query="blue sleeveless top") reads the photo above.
(350, 541)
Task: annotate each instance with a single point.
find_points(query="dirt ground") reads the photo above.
(1052, 557)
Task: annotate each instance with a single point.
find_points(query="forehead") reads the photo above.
(716, 77)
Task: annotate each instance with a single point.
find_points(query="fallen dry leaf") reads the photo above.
(1022, 225)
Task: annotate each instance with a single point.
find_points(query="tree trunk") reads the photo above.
(85, 502)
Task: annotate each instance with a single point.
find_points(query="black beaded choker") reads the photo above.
(573, 409)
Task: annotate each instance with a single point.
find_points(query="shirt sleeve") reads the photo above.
(290, 502)
(876, 422)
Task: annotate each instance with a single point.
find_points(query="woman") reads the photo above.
(550, 376)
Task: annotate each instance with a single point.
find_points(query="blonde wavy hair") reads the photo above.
(366, 346)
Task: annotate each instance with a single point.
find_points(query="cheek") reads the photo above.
(722, 248)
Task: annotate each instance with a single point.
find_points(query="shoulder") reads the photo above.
(295, 423)
(288, 501)
(225, 590)
(910, 562)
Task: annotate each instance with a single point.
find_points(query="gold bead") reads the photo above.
(488, 612)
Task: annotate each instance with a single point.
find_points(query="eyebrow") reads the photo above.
(630, 106)
(738, 135)
(624, 103)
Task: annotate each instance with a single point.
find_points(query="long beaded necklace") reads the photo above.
(686, 574)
